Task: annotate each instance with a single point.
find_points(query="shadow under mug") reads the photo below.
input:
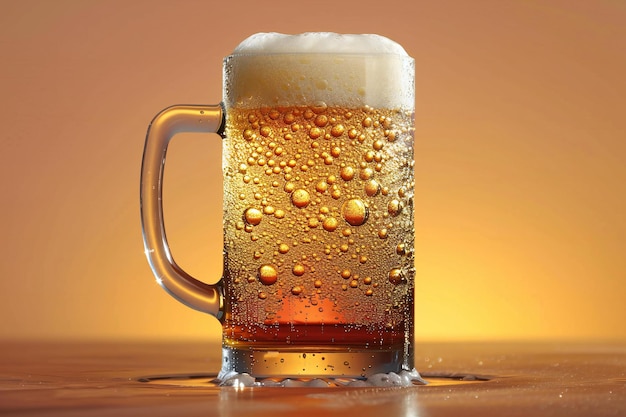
(318, 275)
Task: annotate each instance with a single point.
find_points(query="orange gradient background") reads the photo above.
(520, 160)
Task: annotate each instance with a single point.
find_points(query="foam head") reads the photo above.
(269, 69)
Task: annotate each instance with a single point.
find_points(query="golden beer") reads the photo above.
(318, 221)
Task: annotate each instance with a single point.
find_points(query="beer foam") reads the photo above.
(269, 69)
(318, 42)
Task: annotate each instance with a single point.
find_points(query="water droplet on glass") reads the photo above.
(394, 207)
(372, 188)
(330, 224)
(253, 216)
(298, 270)
(354, 212)
(347, 173)
(300, 198)
(396, 276)
(268, 274)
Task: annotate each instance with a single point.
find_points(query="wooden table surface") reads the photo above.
(501, 379)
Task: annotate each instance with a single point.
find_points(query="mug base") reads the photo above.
(314, 362)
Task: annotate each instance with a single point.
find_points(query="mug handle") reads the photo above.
(179, 284)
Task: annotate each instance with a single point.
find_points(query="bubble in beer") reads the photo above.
(354, 212)
(268, 274)
(396, 276)
(253, 216)
(300, 198)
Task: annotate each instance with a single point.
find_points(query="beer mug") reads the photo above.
(318, 277)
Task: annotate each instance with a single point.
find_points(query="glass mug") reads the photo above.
(318, 277)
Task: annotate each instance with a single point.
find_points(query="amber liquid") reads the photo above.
(318, 220)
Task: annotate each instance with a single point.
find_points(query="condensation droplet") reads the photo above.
(298, 270)
(297, 290)
(394, 207)
(372, 188)
(283, 248)
(315, 132)
(300, 198)
(347, 173)
(337, 130)
(354, 212)
(366, 173)
(321, 187)
(330, 224)
(253, 216)
(321, 120)
(268, 274)
(396, 276)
